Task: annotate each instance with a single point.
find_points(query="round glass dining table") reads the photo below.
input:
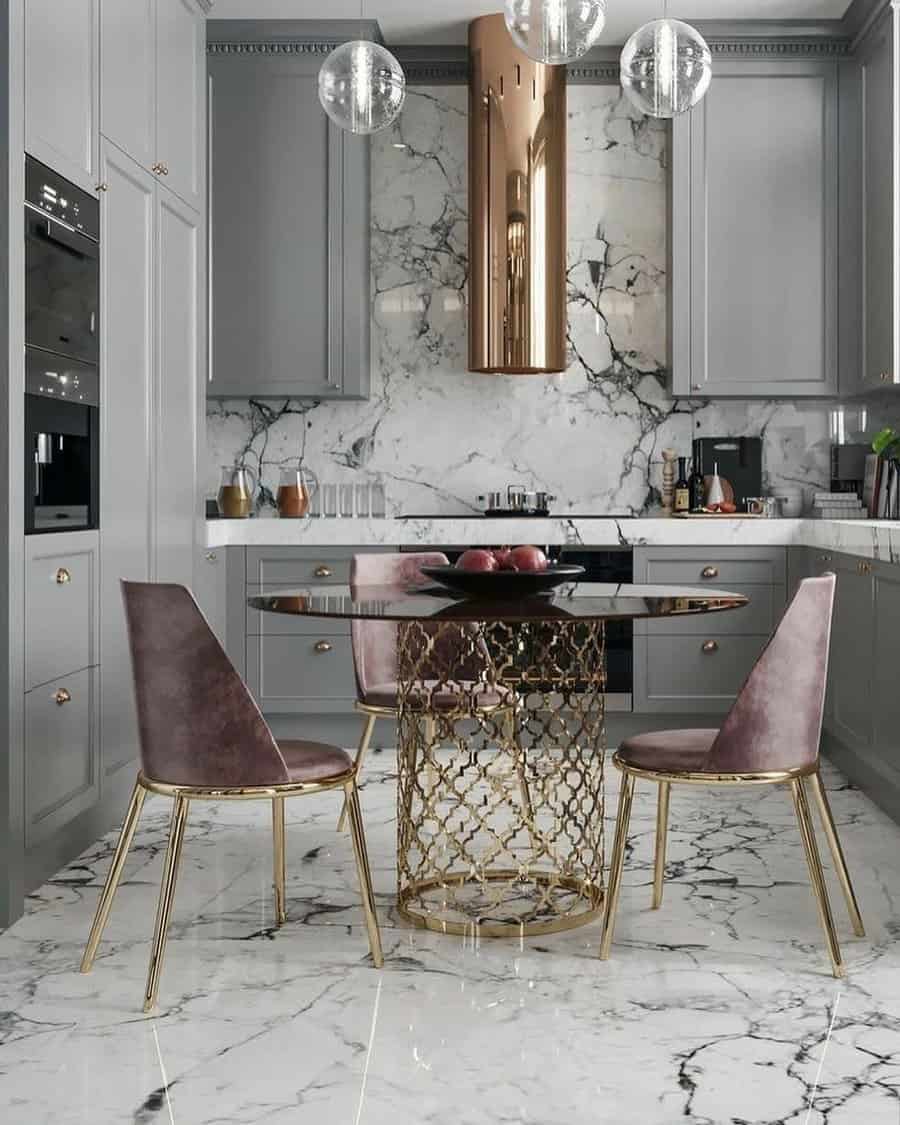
(501, 742)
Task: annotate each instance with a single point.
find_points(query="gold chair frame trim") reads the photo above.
(182, 795)
(797, 778)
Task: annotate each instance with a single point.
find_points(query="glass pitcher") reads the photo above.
(295, 489)
(235, 499)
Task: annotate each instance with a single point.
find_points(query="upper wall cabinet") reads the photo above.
(754, 233)
(153, 89)
(289, 222)
(877, 127)
(62, 87)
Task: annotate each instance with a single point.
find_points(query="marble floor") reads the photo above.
(719, 1008)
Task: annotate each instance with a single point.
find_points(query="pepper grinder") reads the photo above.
(716, 494)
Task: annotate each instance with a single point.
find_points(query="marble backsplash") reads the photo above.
(437, 435)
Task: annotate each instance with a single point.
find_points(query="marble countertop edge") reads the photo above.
(868, 538)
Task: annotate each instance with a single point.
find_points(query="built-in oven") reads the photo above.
(609, 565)
(62, 352)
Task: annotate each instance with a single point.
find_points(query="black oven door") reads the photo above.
(62, 288)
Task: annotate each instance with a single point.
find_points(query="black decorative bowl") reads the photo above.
(509, 584)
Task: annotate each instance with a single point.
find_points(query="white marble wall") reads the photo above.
(438, 435)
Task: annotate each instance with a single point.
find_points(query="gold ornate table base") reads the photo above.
(501, 756)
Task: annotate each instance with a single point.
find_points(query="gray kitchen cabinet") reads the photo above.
(181, 142)
(210, 587)
(62, 767)
(754, 225)
(848, 713)
(62, 86)
(698, 664)
(289, 227)
(886, 662)
(61, 612)
(153, 89)
(878, 128)
(127, 301)
(128, 78)
(179, 344)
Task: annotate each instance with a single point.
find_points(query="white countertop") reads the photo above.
(877, 539)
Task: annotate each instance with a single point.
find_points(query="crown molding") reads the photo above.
(285, 37)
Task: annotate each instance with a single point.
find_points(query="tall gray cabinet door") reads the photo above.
(128, 77)
(61, 86)
(754, 233)
(125, 490)
(175, 387)
(881, 330)
(849, 705)
(181, 97)
(886, 703)
(289, 227)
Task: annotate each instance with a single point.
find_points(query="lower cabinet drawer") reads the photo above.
(60, 606)
(61, 753)
(261, 624)
(692, 673)
(720, 567)
(303, 673)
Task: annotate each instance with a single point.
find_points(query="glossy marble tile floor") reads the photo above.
(719, 1008)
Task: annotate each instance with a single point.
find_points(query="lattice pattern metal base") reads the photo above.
(501, 757)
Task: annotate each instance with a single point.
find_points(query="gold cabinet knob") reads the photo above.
(322, 647)
(696, 386)
(322, 572)
(62, 696)
(211, 557)
(710, 647)
(885, 376)
(101, 187)
(164, 169)
(63, 576)
(156, 169)
(864, 567)
(709, 572)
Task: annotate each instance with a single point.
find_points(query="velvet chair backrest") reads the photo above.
(199, 724)
(776, 721)
(375, 642)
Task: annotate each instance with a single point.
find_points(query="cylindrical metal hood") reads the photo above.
(517, 206)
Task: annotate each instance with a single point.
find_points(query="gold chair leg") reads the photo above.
(166, 896)
(360, 757)
(662, 827)
(626, 796)
(816, 875)
(351, 802)
(126, 835)
(837, 853)
(278, 858)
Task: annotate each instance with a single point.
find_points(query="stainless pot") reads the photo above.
(516, 499)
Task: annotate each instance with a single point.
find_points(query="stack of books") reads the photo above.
(881, 488)
(838, 506)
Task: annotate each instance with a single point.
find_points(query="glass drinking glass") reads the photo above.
(346, 501)
(379, 502)
(329, 500)
(363, 500)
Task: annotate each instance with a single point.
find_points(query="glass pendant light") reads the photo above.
(555, 31)
(666, 67)
(362, 87)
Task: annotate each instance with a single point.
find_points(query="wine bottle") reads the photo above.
(682, 488)
(698, 489)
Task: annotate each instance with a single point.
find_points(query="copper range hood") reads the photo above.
(517, 207)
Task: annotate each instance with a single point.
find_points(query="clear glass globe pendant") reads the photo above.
(555, 31)
(362, 87)
(666, 68)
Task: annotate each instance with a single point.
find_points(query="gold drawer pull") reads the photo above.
(322, 572)
(63, 576)
(710, 647)
(864, 567)
(62, 696)
(709, 572)
(322, 647)
(885, 376)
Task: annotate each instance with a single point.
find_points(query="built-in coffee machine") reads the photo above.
(62, 377)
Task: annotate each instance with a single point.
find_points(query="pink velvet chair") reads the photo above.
(374, 645)
(770, 736)
(202, 736)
